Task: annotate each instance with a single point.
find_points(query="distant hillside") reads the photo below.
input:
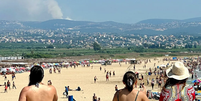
(148, 27)
(198, 19)
(163, 21)
(157, 21)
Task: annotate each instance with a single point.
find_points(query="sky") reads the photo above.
(123, 11)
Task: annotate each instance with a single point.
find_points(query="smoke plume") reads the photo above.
(54, 9)
(34, 10)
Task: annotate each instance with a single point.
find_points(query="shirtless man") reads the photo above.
(37, 91)
(94, 97)
(8, 84)
(13, 76)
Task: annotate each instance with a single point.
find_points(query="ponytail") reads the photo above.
(129, 79)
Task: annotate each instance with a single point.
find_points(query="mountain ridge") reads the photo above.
(149, 26)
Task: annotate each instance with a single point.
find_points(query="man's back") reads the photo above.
(40, 93)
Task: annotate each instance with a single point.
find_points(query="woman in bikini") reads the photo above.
(129, 93)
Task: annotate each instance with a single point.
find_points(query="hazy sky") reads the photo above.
(125, 11)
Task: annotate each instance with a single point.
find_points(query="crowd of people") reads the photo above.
(171, 79)
(8, 83)
(174, 89)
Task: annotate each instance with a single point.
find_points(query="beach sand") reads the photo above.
(82, 77)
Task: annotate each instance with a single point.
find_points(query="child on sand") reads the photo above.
(95, 78)
(107, 77)
(98, 99)
(50, 71)
(113, 73)
(6, 87)
(14, 85)
(116, 88)
(49, 82)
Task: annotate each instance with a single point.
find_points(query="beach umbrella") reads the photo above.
(12, 70)
(43, 66)
(28, 68)
(22, 68)
(196, 81)
(3, 69)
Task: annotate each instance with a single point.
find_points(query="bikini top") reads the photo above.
(135, 97)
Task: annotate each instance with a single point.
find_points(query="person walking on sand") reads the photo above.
(94, 97)
(55, 70)
(14, 85)
(66, 90)
(95, 78)
(36, 90)
(113, 73)
(129, 93)
(116, 88)
(142, 77)
(147, 80)
(6, 87)
(134, 67)
(5, 77)
(152, 83)
(8, 84)
(13, 76)
(50, 70)
(107, 77)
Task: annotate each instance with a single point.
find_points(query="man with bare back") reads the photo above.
(37, 91)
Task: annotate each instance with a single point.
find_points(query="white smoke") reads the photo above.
(68, 18)
(30, 10)
(54, 9)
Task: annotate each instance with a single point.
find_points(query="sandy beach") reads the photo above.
(82, 77)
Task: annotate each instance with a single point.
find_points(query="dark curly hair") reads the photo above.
(129, 79)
